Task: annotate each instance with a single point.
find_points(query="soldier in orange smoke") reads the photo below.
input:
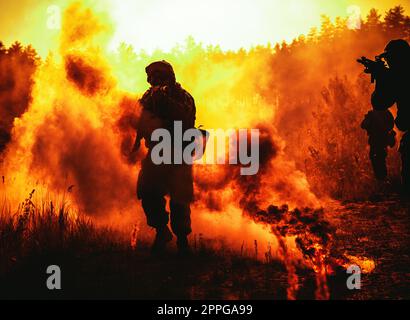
(392, 87)
(379, 126)
(165, 102)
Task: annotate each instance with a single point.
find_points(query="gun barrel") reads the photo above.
(364, 61)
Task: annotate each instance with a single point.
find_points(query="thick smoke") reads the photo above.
(79, 129)
(74, 135)
(83, 157)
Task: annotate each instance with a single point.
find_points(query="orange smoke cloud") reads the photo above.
(80, 126)
(70, 136)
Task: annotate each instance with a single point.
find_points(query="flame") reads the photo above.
(367, 265)
(134, 237)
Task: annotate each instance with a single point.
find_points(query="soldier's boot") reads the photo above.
(378, 160)
(162, 238)
(183, 246)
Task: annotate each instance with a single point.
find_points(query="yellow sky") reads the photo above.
(151, 24)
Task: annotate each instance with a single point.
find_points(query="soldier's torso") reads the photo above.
(162, 106)
(401, 82)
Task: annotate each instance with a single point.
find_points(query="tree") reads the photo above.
(3, 49)
(15, 49)
(373, 20)
(16, 82)
(30, 54)
(312, 35)
(407, 28)
(340, 27)
(327, 28)
(394, 20)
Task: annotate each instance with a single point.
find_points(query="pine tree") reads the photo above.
(407, 28)
(3, 49)
(327, 28)
(373, 20)
(30, 54)
(312, 35)
(394, 20)
(16, 49)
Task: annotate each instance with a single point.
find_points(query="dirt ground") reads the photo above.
(378, 230)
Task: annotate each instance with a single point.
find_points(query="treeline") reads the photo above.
(17, 66)
(318, 90)
(323, 96)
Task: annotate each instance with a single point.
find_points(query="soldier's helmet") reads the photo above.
(397, 49)
(160, 70)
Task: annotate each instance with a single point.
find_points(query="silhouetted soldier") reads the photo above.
(165, 102)
(392, 86)
(379, 126)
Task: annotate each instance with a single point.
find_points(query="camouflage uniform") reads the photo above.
(379, 126)
(162, 105)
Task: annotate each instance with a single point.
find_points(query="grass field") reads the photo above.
(101, 262)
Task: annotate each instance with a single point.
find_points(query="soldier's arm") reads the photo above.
(139, 136)
(144, 102)
(384, 95)
(193, 111)
(137, 144)
(366, 123)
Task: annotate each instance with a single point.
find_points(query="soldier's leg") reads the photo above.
(405, 158)
(157, 217)
(180, 218)
(154, 208)
(378, 157)
(181, 224)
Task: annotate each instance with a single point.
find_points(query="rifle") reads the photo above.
(373, 67)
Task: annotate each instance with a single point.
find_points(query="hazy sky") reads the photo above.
(151, 24)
